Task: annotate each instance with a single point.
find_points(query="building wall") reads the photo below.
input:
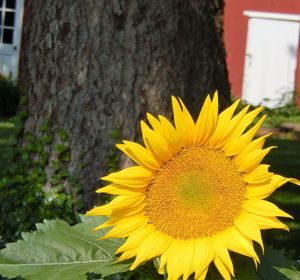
(235, 34)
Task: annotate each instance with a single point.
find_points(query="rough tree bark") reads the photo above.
(96, 66)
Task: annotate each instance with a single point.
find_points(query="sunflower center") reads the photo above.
(198, 193)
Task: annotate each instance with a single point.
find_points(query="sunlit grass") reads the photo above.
(285, 197)
(293, 225)
(6, 131)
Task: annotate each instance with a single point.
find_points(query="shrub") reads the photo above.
(9, 96)
(24, 199)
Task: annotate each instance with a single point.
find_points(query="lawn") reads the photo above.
(285, 160)
(6, 131)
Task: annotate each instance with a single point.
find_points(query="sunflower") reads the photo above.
(197, 192)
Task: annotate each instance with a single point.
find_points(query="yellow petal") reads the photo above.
(139, 154)
(126, 255)
(222, 268)
(205, 124)
(155, 123)
(121, 190)
(179, 259)
(127, 227)
(294, 181)
(174, 260)
(155, 143)
(260, 192)
(267, 222)
(252, 160)
(189, 119)
(221, 252)
(258, 175)
(236, 145)
(134, 177)
(134, 240)
(264, 208)
(223, 123)
(187, 252)
(153, 245)
(239, 243)
(256, 144)
(263, 190)
(207, 120)
(162, 268)
(183, 122)
(171, 134)
(118, 213)
(202, 275)
(204, 254)
(215, 107)
(166, 130)
(99, 211)
(249, 229)
(124, 201)
(102, 226)
(233, 123)
(244, 123)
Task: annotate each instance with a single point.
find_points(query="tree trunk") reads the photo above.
(94, 67)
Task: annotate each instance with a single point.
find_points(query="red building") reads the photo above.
(261, 34)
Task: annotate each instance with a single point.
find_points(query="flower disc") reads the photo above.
(199, 185)
(196, 193)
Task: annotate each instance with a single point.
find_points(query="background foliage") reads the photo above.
(287, 113)
(28, 193)
(9, 96)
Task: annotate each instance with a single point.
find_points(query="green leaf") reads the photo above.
(289, 273)
(23, 114)
(65, 156)
(23, 100)
(115, 134)
(54, 180)
(29, 136)
(64, 173)
(63, 135)
(59, 251)
(60, 148)
(43, 156)
(276, 266)
(44, 127)
(56, 165)
(47, 138)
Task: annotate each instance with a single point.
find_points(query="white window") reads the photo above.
(11, 16)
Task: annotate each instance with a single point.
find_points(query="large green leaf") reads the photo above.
(59, 251)
(290, 273)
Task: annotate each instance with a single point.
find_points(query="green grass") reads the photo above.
(285, 160)
(7, 129)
